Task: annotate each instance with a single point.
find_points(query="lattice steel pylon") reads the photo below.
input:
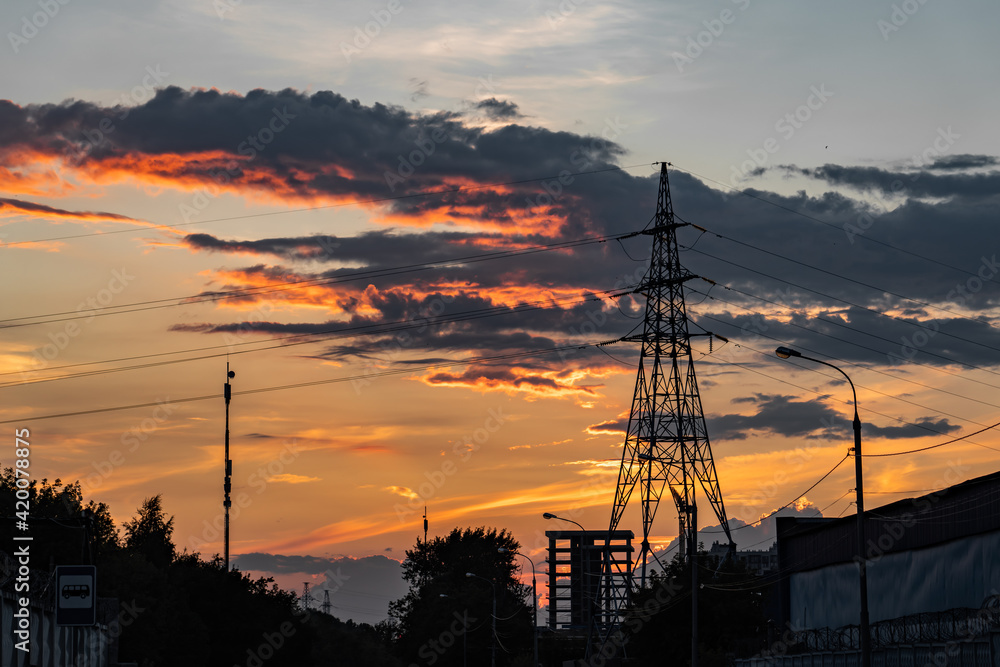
(666, 443)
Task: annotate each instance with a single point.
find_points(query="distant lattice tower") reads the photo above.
(307, 598)
(326, 606)
(666, 441)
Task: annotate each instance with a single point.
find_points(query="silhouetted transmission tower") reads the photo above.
(326, 607)
(307, 599)
(666, 442)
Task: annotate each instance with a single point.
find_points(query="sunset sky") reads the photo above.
(375, 182)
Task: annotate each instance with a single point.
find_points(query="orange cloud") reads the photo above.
(403, 491)
(515, 380)
(289, 478)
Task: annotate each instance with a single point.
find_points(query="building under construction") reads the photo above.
(575, 560)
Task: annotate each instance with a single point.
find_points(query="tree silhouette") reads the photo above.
(149, 534)
(446, 613)
(731, 620)
(66, 531)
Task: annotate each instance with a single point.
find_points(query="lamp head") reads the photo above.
(503, 550)
(549, 515)
(469, 574)
(232, 374)
(786, 352)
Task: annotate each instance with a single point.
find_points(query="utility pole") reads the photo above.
(227, 485)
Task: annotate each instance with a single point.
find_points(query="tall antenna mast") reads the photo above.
(227, 485)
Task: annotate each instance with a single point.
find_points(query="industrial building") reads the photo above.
(933, 583)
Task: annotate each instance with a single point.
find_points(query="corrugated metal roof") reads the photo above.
(969, 508)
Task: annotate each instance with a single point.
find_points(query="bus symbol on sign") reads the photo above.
(76, 603)
(75, 591)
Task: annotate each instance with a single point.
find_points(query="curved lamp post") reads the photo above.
(865, 638)
(493, 643)
(550, 515)
(534, 597)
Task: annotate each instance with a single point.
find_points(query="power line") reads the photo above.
(875, 391)
(940, 444)
(295, 284)
(874, 370)
(786, 505)
(863, 237)
(310, 338)
(842, 277)
(357, 202)
(849, 328)
(851, 303)
(821, 394)
(313, 383)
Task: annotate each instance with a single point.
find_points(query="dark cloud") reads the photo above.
(789, 416)
(499, 109)
(360, 588)
(964, 161)
(13, 206)
(815, 271)
(915, 183)
(778, 415)
(301, 145)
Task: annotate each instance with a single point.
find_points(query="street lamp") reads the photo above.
(691, 508)
(493, 648)
(534, 597)
(550, 515)
(865, 639)
(465, 632)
